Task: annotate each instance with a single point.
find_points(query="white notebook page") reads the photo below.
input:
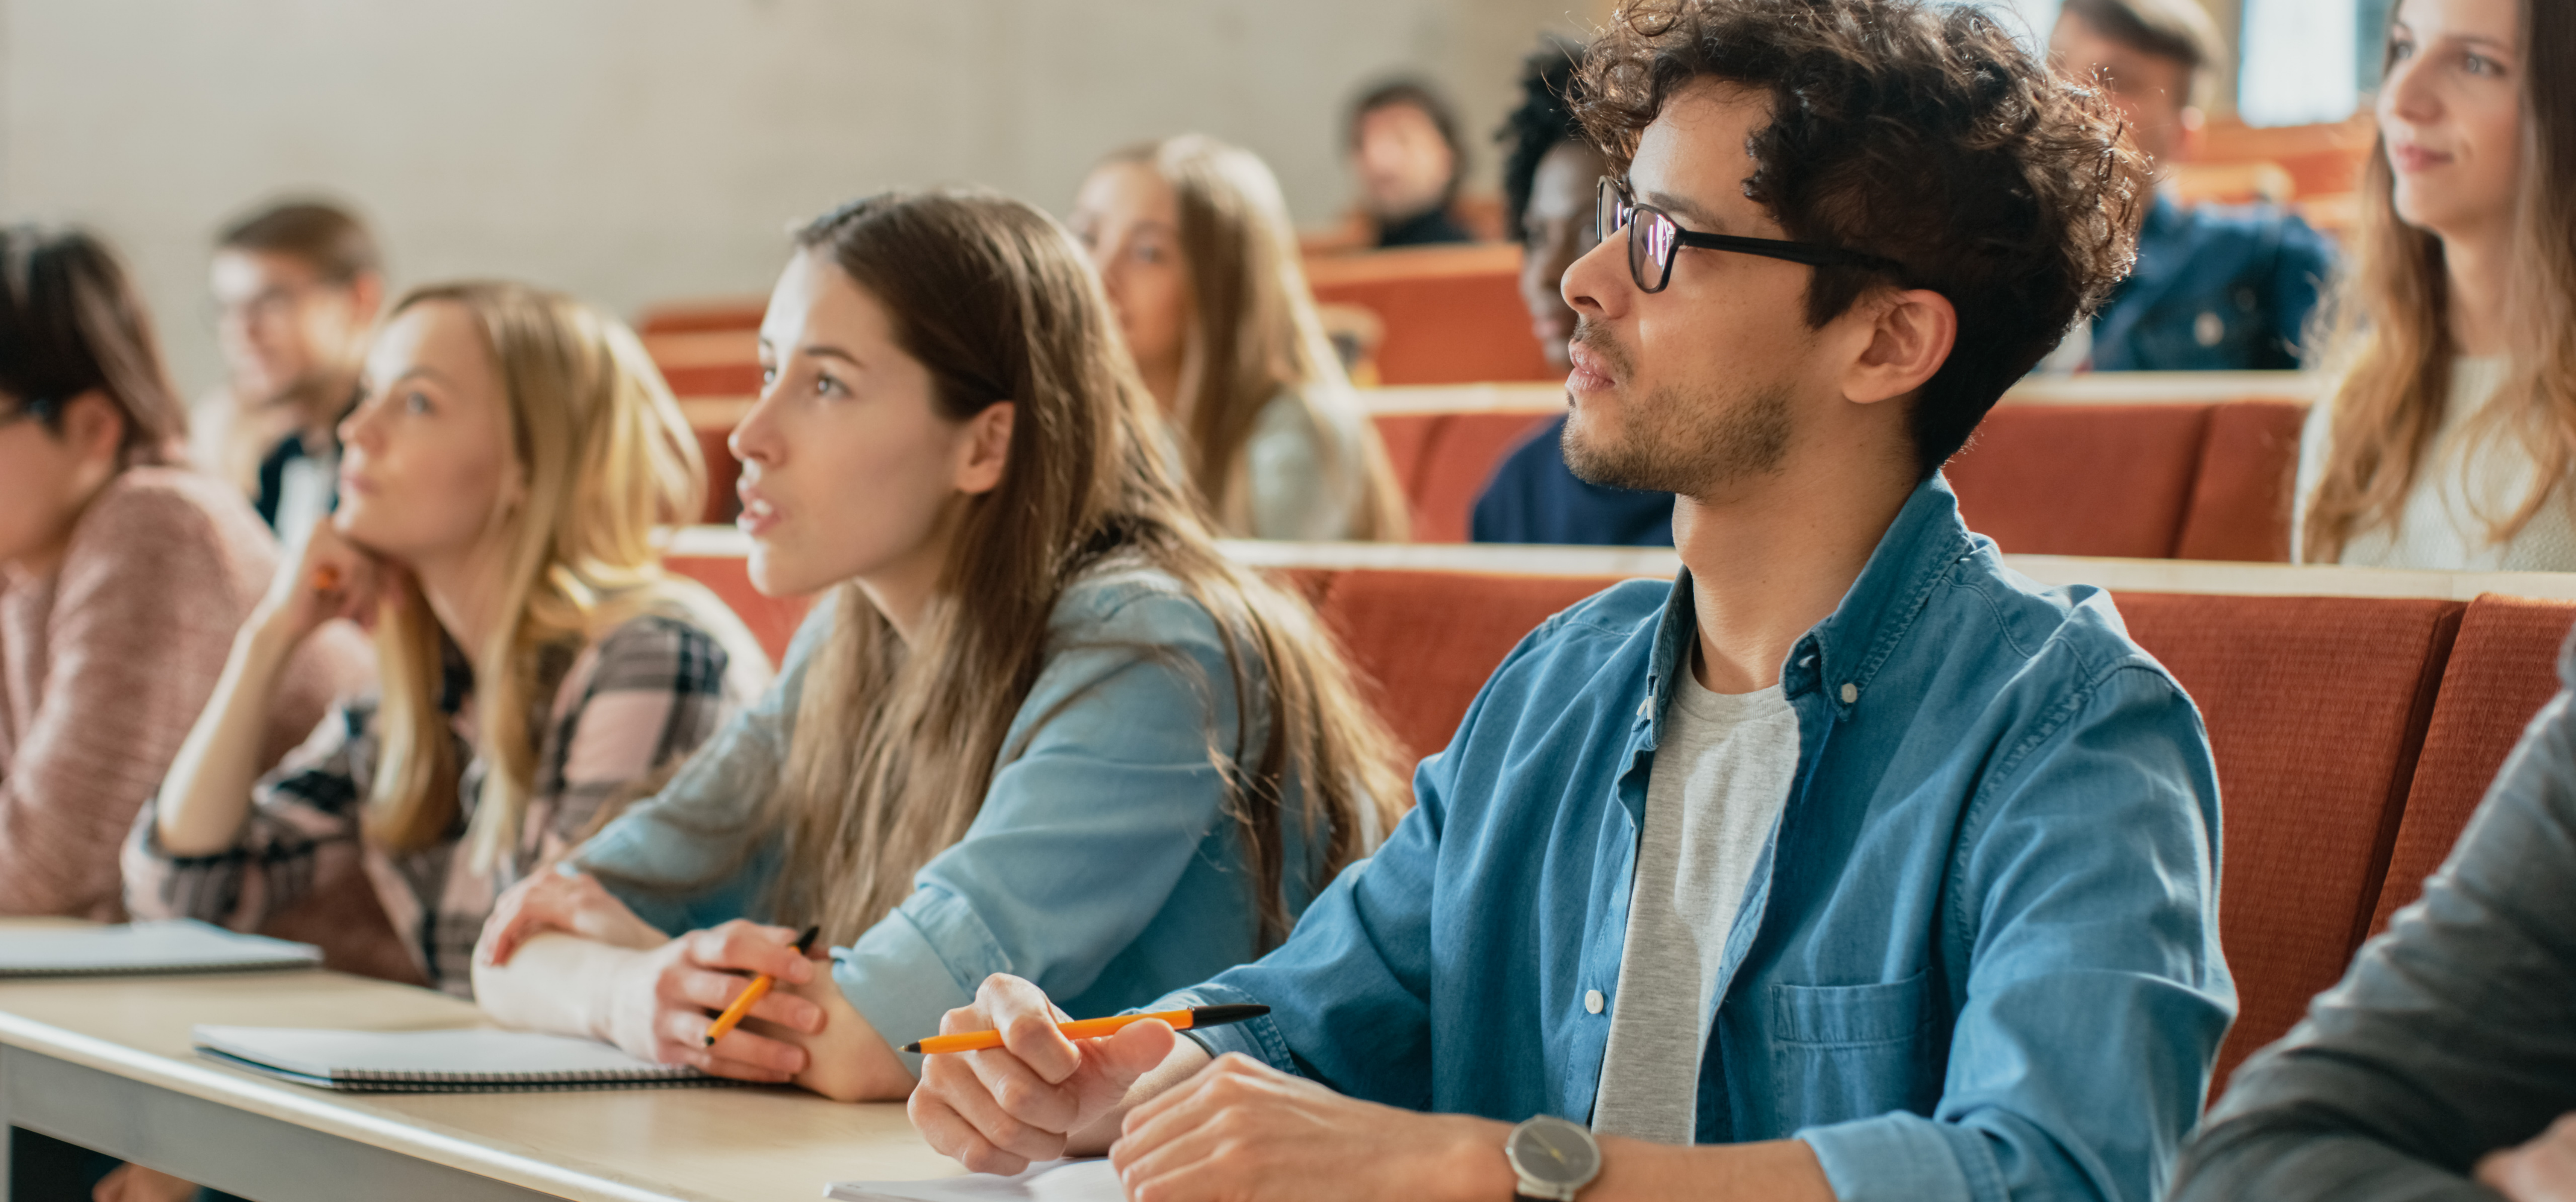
(181, 945)
(496, 1055)
(1050, 1181)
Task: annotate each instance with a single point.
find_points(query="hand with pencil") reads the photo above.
(1175, 1123)
(333, 578)
(728, 999)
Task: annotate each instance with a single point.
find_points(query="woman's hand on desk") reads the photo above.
(660, 1004)
(847, 1061)
(577, 905)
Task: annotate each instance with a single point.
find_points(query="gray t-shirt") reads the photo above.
(1722, 774)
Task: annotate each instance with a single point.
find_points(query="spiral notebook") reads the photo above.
(469, 1061)
(1048, 1181)
(145, 949)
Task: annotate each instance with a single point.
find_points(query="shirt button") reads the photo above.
(1592, 1002)
(1851, 693)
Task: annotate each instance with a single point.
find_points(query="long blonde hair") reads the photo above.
(2391, 349)
(604, 456)
(895, 744)
(1255, 335)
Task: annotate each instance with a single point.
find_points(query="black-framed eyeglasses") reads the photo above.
(1654, 238)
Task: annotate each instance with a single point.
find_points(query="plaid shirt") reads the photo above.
(626, 706)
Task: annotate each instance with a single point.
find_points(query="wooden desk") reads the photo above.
(106, 1063)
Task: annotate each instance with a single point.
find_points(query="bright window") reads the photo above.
(2299, 60)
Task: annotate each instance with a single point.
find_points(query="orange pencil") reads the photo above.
(760, 987)
(1094, 1028)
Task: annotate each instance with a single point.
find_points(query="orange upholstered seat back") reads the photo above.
(1453, 315)
(2502, 670)
(2240, 502)
(1426, 641)
(2081, 479)
(2316, 708)
(772, 620)
(2140, 481)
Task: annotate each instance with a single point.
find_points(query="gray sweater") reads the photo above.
(2453, 1035)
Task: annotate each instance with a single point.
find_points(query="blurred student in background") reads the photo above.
(1551, 187)
(2447, 440)
(511, 452)
(1194, 246)
(297, 288)
(2217, 287)
(1407, 153)
(1037, 723)
(122, 578)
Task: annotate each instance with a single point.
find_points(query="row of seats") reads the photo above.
(2353, 734)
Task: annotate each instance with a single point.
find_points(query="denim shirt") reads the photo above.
(1103, 864)
(1978, 958)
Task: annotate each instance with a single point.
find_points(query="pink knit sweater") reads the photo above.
(105, 664)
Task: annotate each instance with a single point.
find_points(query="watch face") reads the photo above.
(1556, 1152)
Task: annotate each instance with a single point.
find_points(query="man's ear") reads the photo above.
(1910, 336)
(985, 453)
(94, 427)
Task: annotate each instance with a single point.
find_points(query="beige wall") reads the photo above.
(635, 150)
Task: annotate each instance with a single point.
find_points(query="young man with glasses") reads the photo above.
(1851, 851)
(296, 289)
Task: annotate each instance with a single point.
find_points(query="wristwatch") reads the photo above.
(1552, 1157)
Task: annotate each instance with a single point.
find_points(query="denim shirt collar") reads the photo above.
(1839, 655)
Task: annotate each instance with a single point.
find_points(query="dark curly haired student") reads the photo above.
(1849, 864)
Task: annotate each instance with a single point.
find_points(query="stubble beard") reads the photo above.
(1689, 439)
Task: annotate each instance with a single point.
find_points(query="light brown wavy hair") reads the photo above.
(2388, 338)
(605, 456)
(1254, 335)
(896, 744)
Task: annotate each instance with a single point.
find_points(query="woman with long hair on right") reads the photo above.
(1194, 245)
(1037, 722)
(2449, 436)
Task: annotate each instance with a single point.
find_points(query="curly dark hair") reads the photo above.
(1544, 119)
(1919, 133)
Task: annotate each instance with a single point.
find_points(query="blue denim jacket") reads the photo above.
(1102, 866)
(1978, 959)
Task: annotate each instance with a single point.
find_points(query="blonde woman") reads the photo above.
(2448, 441)
(508, 460)
(1036, 724)
(1194, 246)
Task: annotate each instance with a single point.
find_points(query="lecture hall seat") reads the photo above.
(2108, 480)
(2503, 668)
(1452, 314)
(2316, 709)
(2140, 481)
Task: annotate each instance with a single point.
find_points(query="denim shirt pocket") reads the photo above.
(1843, 1052)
